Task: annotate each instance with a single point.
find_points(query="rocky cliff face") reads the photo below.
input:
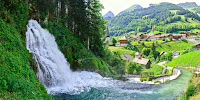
(109, 14)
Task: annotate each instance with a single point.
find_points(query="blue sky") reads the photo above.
(117, 6)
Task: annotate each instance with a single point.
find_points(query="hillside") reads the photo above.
(165, 17)
(132, 8)
(17, 77)
(196, 10)
(191, 58)
(187, 5)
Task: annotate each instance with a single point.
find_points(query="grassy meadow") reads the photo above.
(191, 58)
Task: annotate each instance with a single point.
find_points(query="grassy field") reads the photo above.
(156, 69)
(191, 58)
(174, 46)
(121, 50)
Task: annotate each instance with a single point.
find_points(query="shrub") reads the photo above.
(190, 90)
(157, 82)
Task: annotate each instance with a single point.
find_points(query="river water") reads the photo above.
(128, 91)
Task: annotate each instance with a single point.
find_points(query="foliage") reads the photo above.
(130, 67)
(145, 79)
(114, 41)
(17, 80)
(190, 90)
(146, 51)
(157, 81)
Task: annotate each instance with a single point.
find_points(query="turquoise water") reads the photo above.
(130, 91)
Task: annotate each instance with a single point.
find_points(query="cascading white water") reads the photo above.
(53, 69)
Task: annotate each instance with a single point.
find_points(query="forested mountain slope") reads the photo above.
(196, 10)
(165, 17)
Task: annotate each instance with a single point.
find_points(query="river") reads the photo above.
(128, 91)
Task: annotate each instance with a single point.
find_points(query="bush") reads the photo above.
(190, 90)
(163, 39)
(130, 67)
(157, 82)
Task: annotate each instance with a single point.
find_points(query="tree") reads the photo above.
(146, 51)
(114, 41)
(130, 67)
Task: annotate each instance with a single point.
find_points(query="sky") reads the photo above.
(117, 6)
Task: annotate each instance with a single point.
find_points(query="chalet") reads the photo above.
(193, 34)
(162, 53)
(158, 34)
(175, 54)
(127, 57)
(177, 36)
(142, 36)
(124, 41)
(139, 60)
(135, 37)
(197, 46)
(163, 36)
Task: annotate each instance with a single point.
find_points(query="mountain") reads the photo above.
(187, 5)
(109, 14)
(151, 5)
(166, 17)
(132, 8)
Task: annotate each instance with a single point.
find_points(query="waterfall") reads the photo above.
(53, 70)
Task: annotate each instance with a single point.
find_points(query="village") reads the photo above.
(166, 72)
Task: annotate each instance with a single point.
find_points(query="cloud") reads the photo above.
(117, 6)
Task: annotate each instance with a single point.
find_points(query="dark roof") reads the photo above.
(127, 57)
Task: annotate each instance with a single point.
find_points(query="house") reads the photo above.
(177, 36)
(139, 60)
(135, 37)
(127, 57)
(142, 36)
(162, 53)
(158, 34)
(193, 34)
(197, 46)
(124, 41)
(163, 36)
(175, 54)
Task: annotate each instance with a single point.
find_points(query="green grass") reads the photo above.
(173, 11)
(194, 30)
(156, 69)
(174, 46)
(191, 58)
(121, 50)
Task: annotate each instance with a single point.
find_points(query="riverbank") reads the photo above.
(175, 75)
